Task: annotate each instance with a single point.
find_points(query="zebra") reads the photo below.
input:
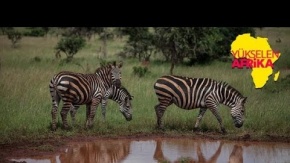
(204, 93)
(76, 89)
(120, 95)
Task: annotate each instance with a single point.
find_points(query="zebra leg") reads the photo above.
(199, 118)
(65, 109)
(160, 109)
(55, 102)
(73, 112)
(88, 110)
(218, 117)
(93, 108)
(104, 104)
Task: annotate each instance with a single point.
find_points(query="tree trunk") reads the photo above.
(134, 49)
(105, 46)
(174, 59)
(139, 57)
(171, 68)
(57, 54)
(69, 57)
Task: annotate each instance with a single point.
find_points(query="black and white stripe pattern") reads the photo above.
(204, 93)
(76, 89)
(120, 96)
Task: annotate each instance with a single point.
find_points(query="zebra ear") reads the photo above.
(244, 100)
(114, 63)
(126, 99)
(120, 64)
(131, 97)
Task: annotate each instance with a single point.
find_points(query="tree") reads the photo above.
(46, 30)
(105, 34)
(229, 34)
(86, 32)
(14, 35)
(140, 42)
(176, 43)
(171, 43)
(199, 44)
(70, 45)
(36, 31)
(5, 29)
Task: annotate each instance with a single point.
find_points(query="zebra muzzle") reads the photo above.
(238, 125)
(129, 119)
(128, 116)
(117, 83)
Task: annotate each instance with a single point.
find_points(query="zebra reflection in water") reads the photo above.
(236, 156)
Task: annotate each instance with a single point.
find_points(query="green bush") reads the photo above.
(35, 32)
(140, 71)
(37, 59)
(70, 45)
(15, 36)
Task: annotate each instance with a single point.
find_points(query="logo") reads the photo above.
(256, 54)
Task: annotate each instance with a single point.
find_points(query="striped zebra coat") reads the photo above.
(76, 89)
(120, 96)
(204, 93)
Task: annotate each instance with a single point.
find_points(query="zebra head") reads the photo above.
(238, 112)
(116, 74)
(126, 107)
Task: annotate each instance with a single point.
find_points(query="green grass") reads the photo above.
(25, 100)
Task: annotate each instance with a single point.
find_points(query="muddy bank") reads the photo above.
(51, 146)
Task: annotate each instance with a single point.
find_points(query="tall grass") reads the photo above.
(25, 102)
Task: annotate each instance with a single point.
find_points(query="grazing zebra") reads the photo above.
(204, 93)
(122, 97)
(76, 89)
(119, 95)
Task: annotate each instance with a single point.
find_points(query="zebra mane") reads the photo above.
(103, 67)
(229, 87)
(126, 91)
(222, 83)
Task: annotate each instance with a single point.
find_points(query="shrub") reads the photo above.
(140, 71)
(37, 59)
(70, 45)
(14, 36)
(35, 32)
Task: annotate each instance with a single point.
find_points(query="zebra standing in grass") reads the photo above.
(76, 89)
(204, 93)
(119, 95)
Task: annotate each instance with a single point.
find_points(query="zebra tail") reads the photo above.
(53, 88)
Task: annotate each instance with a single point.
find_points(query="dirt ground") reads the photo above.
(52, 146)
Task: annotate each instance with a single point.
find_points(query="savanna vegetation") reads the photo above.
(147, 53)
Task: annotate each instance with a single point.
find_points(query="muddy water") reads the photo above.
(168, 150)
